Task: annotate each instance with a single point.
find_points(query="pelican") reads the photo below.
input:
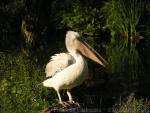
(68, 70)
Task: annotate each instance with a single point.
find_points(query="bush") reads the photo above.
(133, 105)
(19, 88)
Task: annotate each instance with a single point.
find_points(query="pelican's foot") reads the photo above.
(64, 104)
(73, 103)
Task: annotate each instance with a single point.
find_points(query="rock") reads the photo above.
(70, 108)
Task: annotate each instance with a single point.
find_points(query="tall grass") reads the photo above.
(19, 90)
(133, 105)
(122, 19)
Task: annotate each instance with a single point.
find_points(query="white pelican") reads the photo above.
(68, 70)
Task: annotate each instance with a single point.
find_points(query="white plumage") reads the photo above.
(68, 70)
(57, 63)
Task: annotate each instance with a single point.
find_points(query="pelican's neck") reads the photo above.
(80, 63)
(78, 57)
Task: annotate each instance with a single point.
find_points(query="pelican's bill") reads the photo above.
(89, 52)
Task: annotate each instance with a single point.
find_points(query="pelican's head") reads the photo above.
(74, 43)
(71, 38)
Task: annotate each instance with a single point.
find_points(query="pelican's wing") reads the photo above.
(58, 62)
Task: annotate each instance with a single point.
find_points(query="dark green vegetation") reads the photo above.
(31, 31)
(132, 105)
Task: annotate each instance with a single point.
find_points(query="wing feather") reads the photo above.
(57, 63)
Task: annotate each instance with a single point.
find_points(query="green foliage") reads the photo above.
(84, 19)
(12, 7)
(122, 18)
(133, 105)
(19, 89)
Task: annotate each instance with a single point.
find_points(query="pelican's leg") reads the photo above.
(70, 97)
(71, 100)
(64, 104)
(59, 97)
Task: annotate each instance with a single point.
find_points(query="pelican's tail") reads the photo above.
(47, 83)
